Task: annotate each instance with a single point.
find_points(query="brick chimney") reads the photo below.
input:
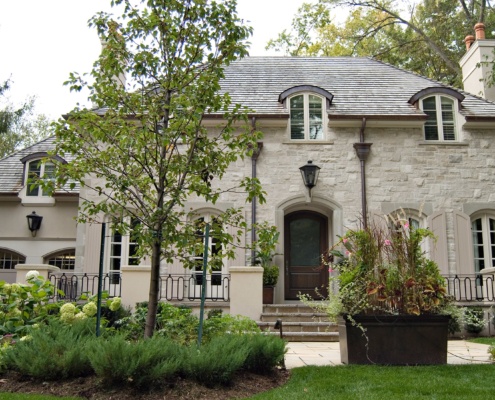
(477, 63)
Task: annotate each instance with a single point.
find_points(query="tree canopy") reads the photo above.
(19, 126)
(145, 150)
(423, 36)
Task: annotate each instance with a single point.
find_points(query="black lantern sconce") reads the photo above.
(34, 222)
(310, 174)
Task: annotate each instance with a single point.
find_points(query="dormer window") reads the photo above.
(440, 124)
(306, 117)
(38, 169)
(307, 106)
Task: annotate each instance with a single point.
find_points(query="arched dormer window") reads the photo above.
(308, 109)
(441, 107)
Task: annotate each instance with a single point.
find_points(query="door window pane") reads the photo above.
(305, 242)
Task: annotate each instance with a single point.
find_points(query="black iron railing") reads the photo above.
(74, 284)
(189, 287)
(475, 287)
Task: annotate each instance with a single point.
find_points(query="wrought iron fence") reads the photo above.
(189, 287)
(475, 287)
(74, 284)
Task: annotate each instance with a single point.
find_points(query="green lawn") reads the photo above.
(374, 382)
(483, 340)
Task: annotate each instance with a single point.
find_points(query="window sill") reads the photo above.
(308, 141)
(442, 143)
(37, 201)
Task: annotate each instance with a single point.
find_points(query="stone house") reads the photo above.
(385, 140)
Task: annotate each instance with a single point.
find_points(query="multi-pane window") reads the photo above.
(9, 259)
(440, 124)
(214, 249)
(123, 250)
(36, 169)
(65, 260)
(306, 117)
(483, 230)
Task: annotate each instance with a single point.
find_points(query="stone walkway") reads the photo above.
(328, 353)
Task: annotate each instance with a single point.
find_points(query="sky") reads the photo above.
(42, 41)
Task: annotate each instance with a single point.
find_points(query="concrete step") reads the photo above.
(309, 336)
(294, 317)
(300, 326)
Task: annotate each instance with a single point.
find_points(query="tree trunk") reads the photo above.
(154, 289)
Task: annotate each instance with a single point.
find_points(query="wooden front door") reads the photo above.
(305, 241)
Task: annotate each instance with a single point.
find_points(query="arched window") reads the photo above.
(441, 118)
(36, 169)
(65, 259)
(483, 231)
(306, 117)
(9, 259)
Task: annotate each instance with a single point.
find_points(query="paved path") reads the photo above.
(328, 353)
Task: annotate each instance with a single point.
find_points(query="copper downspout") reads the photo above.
(362, 151)
(254, 158)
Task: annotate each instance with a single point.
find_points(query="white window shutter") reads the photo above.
(463, 240)
(437, 223)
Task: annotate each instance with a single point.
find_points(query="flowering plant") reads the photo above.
(382, 269)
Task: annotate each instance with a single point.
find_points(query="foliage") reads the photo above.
(19, 127)
(181, 325)
(421, 36)
(382, 269)
(474, 319)
(146, 150)
(265, 353)
(22, 306)
(53, 351)
(142, 363)
(110, 307)
(217, 361)
(264, 249)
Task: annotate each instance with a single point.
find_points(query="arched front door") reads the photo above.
(306, 239)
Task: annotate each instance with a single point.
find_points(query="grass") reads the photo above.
(483, 340)
(378, 382)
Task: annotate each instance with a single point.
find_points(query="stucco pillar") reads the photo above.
(43, 269)
(135, 284)
(246, 291)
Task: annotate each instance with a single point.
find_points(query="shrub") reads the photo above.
(228, 324)
(142, 363)
(474, 319)
(216, 362)
(53, 351)
(265, 353)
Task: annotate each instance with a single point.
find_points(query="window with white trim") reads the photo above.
(306, 117)
(9, 259)
(483, 231)
(34, 170)
(214, 249)
(123, 250)
(441, 118)
(65, 259)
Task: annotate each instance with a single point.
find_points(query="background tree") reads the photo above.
(146, 150)
(19, 126)
(424, 36)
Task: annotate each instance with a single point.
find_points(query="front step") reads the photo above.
(300, 323)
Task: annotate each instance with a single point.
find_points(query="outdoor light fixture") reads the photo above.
(309, 174)
(34, 222)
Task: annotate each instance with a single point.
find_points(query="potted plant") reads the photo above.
(388, 297)
(265, 252)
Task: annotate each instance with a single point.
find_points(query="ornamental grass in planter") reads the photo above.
(389, 298)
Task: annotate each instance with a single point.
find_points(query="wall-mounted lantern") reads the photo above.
(34, 222)
(309, 173)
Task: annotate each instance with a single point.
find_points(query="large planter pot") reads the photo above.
(268, 294)
(394, 340)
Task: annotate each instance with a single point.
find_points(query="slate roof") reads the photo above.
(361, 86)
(11, 167)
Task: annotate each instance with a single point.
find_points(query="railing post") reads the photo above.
(135, 282)
(43, 269)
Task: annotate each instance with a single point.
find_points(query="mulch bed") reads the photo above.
(244, 385)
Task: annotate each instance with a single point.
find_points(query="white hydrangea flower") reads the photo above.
(32, 275)
(68, 308)
(67, 317)
(115, 304)
(25, 338)
(80, 316)
(90, 309)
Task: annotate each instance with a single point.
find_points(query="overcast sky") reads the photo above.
(42, 41)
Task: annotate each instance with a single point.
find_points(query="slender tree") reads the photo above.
(145, 150)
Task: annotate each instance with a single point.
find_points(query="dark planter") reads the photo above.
(268, 294)
(394, 340)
